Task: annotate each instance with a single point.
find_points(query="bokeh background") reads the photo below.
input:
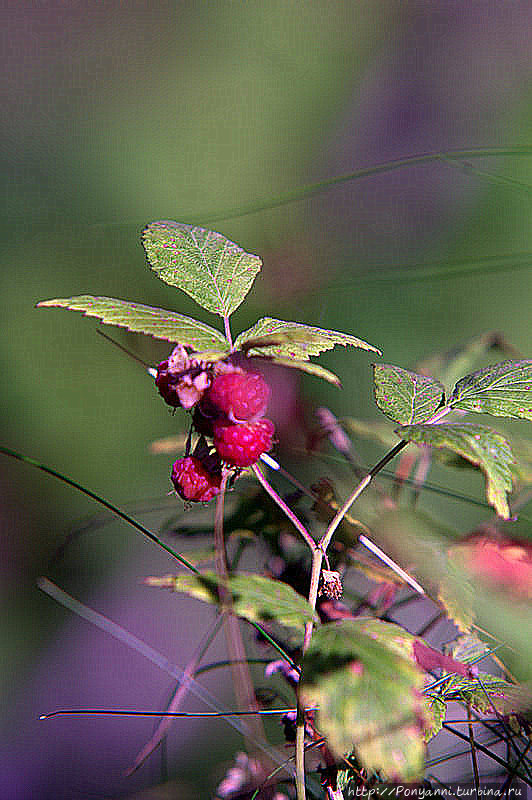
(117, 114)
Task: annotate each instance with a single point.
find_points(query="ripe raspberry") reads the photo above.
(239, 395)
(241, 445)
(193, 482)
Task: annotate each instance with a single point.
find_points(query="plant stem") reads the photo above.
(242, 683)
(283, 506)
(227, 329)
(473, 749)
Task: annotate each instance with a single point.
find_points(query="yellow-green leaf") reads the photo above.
(367, 685)
(404, 396)
(214, 271)
(254, 597)
(481, 446)
(156, 322)
(276, 337)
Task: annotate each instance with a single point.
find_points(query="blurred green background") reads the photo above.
(119, 114)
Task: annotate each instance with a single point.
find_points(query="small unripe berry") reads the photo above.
(239, 396)
(242, 445)
(193, 482)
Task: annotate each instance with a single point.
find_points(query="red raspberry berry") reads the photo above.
(239, 395)
(241, 445)
(193, 482)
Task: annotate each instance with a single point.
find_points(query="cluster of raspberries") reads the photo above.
(228, 405)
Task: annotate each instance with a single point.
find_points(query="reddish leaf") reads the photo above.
(504, 562)
(428, 659)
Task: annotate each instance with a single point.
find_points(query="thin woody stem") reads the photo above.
(243, 685)
(317, 559)
(364, 483)
(284, 507)
(227, 329)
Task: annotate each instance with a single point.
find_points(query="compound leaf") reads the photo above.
(366, 685)
(481, 446)
(503, 390)
(214, 271)
(488, 692)
(405, 396)
(276, 337)
(254, 597)
(156, 322)
(436, 709)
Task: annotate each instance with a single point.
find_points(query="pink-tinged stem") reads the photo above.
(243, 686)
(283, 506)
(227, 329)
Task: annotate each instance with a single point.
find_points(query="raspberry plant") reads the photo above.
(366, 696)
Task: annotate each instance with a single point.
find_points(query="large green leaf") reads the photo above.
(504, 390)
(404, 396)
(368, 695)
(276, 337)
(481, 446)
(155, 322)
(217, 273)
(254, 597)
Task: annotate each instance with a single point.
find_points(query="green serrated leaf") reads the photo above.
(436, 710)
(503, 390)
(481, 446)
(215, 272)
(254, 597)
(154, 322)
(367, 693)
(404, 396)
(488, 692)
(276, 337)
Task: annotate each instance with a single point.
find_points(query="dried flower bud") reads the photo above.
(183, 378)
(330, 585)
